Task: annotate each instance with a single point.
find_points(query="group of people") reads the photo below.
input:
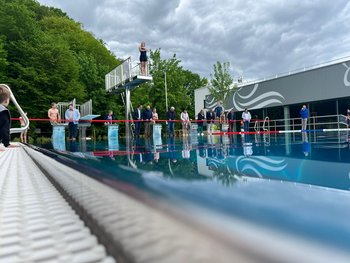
(147, 116)
(218, 115)
(72, 117)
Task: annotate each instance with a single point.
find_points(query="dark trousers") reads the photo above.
(137, 127)
(246, 126)
(73, 130)
(147, 129)
(171, 127)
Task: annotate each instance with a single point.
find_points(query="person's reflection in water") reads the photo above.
(247, 146)
(201, 147)
(171, 149)
(306, 144)
(156, 154)
(232, 146)
(73, 146)
(148, 158)
(185, 148)
(135, 150)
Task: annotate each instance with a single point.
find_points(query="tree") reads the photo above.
(221, 81)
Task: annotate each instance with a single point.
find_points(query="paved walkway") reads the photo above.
(36, 223)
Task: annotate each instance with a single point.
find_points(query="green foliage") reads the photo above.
(221, 81)
(45, 57)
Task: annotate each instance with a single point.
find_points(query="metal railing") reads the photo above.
(295, 71)
(314, 123)
(124, 73)
(86, 108)
(21, 112)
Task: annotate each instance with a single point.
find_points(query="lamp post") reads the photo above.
(166, 92)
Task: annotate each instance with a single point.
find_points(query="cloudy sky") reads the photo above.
(259, 38)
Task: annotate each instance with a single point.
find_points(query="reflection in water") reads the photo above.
(186, 148)
(73, 146)
(306, 144)
(171, 149)
(247, 145)
(58, 137)
(226, 159)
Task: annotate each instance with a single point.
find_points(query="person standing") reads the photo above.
(185, 122)
(200, 118)
(170, 116)
(210, 116)
(5, 118)
(72, 116)
(143, 58)
(54, 114)
(109, 118)
(246, 117)
(348, 117)
(137, 118)
(23, 135)
(218, 110)
(154, 115)
(304, 115)
(231, 120)
(147, 118)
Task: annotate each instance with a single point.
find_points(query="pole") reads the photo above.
(166, 92)
(127, 112)
(127, 105)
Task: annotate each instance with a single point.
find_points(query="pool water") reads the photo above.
(315, 159)
(296, 183)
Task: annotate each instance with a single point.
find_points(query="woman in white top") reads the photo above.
(185, 122)
(246, 117)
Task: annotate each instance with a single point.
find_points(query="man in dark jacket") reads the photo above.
(170, 116)
(138, 119)
(210, 116)
(5, 118)
(231, 120)
(147, 117)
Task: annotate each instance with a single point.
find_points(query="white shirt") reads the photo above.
(184, 116)
(246, 116)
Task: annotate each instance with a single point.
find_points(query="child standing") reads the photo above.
(5, 119)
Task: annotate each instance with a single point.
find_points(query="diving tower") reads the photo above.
(125, 78)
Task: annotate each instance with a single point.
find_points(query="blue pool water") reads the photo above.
(319, 159)
(296, 183)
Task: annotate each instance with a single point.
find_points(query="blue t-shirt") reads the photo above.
(304, 114)
(218, 111)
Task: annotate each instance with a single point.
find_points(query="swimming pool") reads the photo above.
(294, 183)
(308, 158)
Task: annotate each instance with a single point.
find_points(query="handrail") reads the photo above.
(24, 117)
(295, 71)
(256, 125)
(265, 120)
(313, 120)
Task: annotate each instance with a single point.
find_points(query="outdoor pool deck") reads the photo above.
(50, 212)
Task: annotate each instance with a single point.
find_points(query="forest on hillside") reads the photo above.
(45, 57)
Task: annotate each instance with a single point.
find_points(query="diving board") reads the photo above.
(125, 76)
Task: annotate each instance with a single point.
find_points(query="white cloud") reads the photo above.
(259, 38)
